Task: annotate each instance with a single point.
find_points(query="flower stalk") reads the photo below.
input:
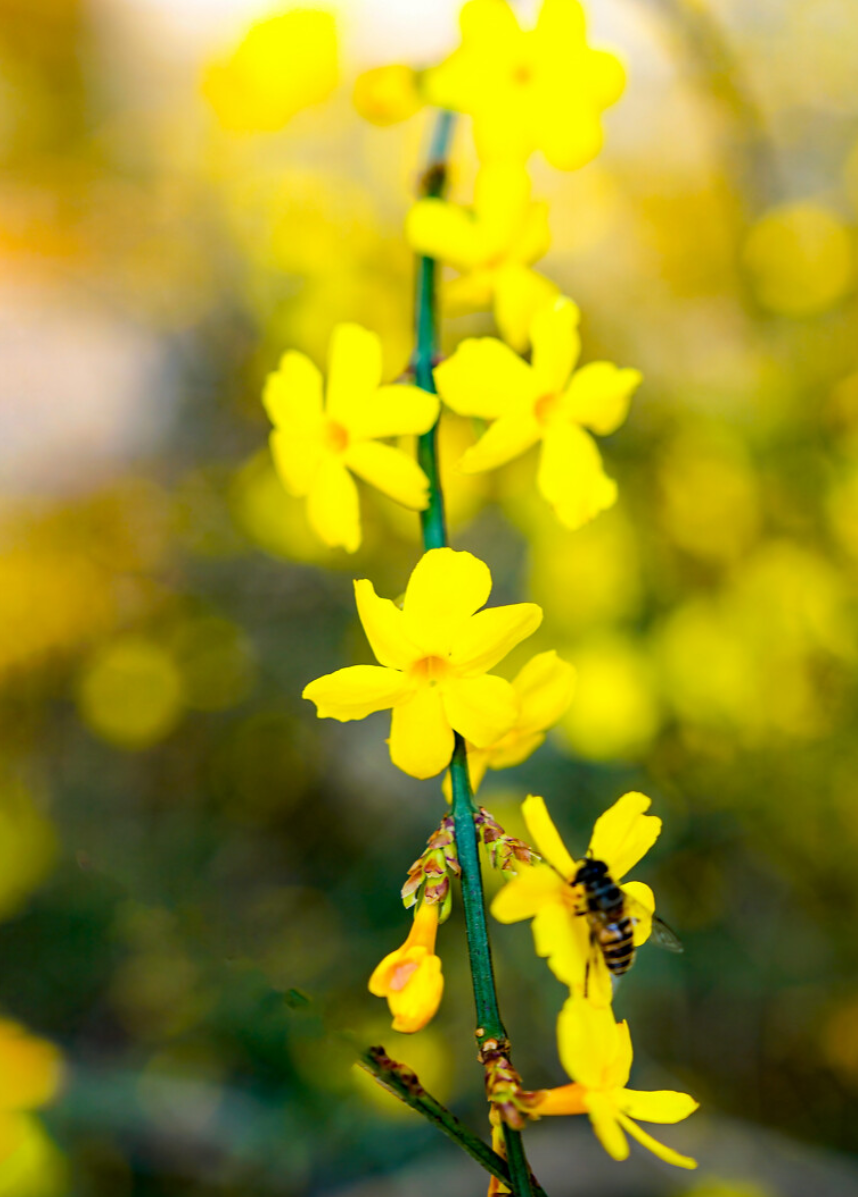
(426, 318)
(490, 1026)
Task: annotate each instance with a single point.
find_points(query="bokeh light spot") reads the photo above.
(131, 693)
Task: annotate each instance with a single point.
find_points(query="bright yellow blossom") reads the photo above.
(541, 89)
(545, 892)
(387, 95)
(411, 978)
(30, 1075)
(283, 64)
(435, 653)
(315, 445)
(597, 1053)
(547, 401)
(492, 245)
(544, 688)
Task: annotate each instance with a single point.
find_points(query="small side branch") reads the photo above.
(399, 1080)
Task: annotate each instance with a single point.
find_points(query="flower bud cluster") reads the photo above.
(429, 876)
(505, 851)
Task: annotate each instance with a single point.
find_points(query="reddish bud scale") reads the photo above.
(505, 851)
(509, 1100)
(429, 876)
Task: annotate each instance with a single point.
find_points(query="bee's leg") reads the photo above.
(587, 979)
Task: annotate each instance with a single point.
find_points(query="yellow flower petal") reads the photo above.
(587, 1041)
(417, 1002)
(480, 708)
(292, 396)
(354, 372)
(283, 64)
(489, 635)
(599, 395)
(642, 911)
(332, 506)
(563, 938)
(658, 1149)
(504, 212)
(606, 1125)
(556, 344)
(560, 29)
(513, 748)
(385, 628)
(421, 739)
(617, 1071)
(606, 77)
(571, 477)
(391, 471)
(662, 1105)
(472, 292)
(598, 985)
(445, 231)
(571, 135)
(544, 687)
(508, 438)
(623, 834)
(486, 378)
(383, 973)
(524, 895)
(356, 692)
(445, 588)
(519, 294)
(296, 459)
(533, 238)
(395, 411)
(545, 836)
(491, 26)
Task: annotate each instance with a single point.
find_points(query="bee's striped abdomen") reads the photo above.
(616, 939)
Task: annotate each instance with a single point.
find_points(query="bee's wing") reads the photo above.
(661, 935)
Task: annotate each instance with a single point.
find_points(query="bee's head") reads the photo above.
(590, 871)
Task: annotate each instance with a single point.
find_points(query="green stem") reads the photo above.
(434, 182)
(489, 1023)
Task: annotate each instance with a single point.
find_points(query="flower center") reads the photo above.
(522, 75)
(546, 406)
(336, 437)
(430, 669)
(402, 974)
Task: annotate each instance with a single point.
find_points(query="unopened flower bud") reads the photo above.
(410, 978)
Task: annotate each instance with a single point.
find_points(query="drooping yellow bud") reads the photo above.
(410, 978)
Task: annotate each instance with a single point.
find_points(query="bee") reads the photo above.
(612, 915)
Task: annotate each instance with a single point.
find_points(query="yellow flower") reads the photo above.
(492, 245)
(434, 654)
(545, 401)
(544, 689)
(410, 978)
(315, 445)
(30, 1074)
(283, 64)
(387, 95)
(541, 89)
(597, 1053)
(546, 894)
